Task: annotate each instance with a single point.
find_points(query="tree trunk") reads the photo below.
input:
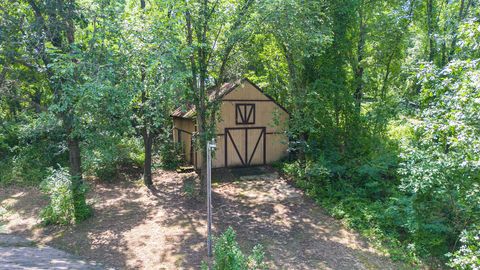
(358, 94)
(430, 29)
(383, 92)
(461, 15)
(75, 160)
(202, 95)
(147, 168)
(202, 125)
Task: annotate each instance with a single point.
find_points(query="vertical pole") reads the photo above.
(210, 145)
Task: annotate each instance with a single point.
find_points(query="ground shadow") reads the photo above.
(295, 232)
(99, 238)
(164, 227)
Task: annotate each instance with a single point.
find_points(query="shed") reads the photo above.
(251, 129)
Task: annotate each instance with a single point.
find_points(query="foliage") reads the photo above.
(383, 98)
(106, 156)
(468, 255)
(67, 203)
(421, 208)
(440, 164)
(31, 147)
(171, 155)
(227, 254)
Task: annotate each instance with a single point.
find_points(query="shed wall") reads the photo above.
(267, 114)
(270, 120)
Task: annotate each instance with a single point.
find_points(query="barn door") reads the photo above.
(245, 146)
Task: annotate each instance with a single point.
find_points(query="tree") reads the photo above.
(65, 75)
(151, 58)
(212, 31)
(56, 52)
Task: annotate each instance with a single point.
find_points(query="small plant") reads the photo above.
(67, 203)
(227, 254)
(189, 187)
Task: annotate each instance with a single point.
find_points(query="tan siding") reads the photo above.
(277, 145)
(266, 114)
(218, 160)
(246, 91)
(184, 124)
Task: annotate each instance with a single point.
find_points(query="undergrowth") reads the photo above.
(67, 203)
(227, 254)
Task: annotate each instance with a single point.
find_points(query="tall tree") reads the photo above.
(151, 59)
(212, 31)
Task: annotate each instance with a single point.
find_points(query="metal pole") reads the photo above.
(210, 145)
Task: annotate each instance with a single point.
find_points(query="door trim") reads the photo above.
(247, 159)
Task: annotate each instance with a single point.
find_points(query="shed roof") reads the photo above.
(216, 93)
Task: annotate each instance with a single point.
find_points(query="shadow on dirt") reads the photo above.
(165, 227)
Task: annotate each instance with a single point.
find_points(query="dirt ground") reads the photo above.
(137, 228)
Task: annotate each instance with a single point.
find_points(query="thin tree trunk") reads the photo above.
(68, 116)
(201, 110)
(430, 29)
(198, 86)
(147, 168)
(461, 15)
(383, 92)
(73, 142)
(358, 95)
(146, 134)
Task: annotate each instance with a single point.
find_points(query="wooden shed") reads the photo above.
(250, 130)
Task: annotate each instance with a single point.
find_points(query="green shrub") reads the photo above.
(104, 157)
(468, 256)
(171, 155)
(228, 256)
(67, 203)
(27, 165)
(28, 149)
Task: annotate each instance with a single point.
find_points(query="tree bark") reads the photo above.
(461, 15)
(430, 29)
(383, 92)
(202, 95)
(67, 117)
(75, 159)
(147, 168)
(199, 59)
(359, 69)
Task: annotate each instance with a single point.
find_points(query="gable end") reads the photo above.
(224, 97)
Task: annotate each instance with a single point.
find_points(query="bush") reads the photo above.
(228, 256)
(104, 156)
(27, 150)
(417, 188)
(468, 256)
(67, 203)
(171, 155)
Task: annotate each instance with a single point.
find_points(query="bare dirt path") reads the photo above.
(136, 228)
